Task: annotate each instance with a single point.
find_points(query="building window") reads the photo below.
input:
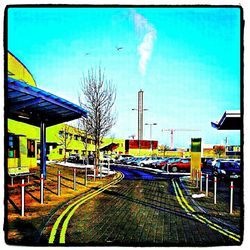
(13, 146)
(60, 134)
(31, 148)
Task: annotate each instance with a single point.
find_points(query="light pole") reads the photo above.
(151, 124)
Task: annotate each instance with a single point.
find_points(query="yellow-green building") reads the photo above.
(23, 140)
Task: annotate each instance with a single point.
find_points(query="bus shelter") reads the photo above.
(34, 106)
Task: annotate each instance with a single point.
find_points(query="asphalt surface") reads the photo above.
(142, 208)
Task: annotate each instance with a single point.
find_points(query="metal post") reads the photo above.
(41, 189)
(206, 185)
(22, 197)
(197, 177)
(231, 196)
(200, 181)
(100, 171)
(167, 168)
(108, 167)
(43, 149)
(86, 176)
(12, 182)
(94, 174)
(74, 179)
(215, 189)
(59, 183)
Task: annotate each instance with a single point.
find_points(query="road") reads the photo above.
(138, 209)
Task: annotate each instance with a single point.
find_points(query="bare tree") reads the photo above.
(65, 138)
(84, 131)
(97, 96)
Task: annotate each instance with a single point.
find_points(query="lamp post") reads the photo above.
(151, 124)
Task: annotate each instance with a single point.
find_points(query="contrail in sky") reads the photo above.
(146, 46)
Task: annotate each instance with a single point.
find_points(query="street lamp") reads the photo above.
(151, 124)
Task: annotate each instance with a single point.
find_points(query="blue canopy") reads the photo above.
(32, 105)
(231, 120)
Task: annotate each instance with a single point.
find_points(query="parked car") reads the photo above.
(170, 160)
(107, 158)
(74, 158)
(148, 161)
(207, 162)
(138, 160)
(129, 160)
(121, 157)
(156, 163)
(180, 165)
(227, 169)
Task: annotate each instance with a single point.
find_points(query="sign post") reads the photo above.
(195, 157)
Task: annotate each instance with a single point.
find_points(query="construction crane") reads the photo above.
(172, 133)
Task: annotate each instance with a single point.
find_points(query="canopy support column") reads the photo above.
(43, 149)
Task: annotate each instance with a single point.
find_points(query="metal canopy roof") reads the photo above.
(231, 120)
(109, 146)
(32, 105)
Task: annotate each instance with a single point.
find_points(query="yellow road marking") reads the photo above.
(181, 199)
(74, 206)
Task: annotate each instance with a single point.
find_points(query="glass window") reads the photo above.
(31, 148)
(13, 146)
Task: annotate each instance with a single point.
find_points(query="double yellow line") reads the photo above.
(190, 211)
(70, 210)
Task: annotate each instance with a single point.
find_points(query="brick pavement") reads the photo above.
(130, 213)
(139, 213)
(220, 210)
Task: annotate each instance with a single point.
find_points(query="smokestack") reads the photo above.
(140, 115)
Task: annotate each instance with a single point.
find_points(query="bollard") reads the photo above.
(200, 181)
(206, 185)
(22, 197)
(193, 176)
(74, 179)
(100, 171)
(231, 196)
(215, 189)
(59, 183)
(41, 189)
(86, 177)
(108, 167)
(197, 177)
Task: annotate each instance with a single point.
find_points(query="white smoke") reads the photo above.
(146, 46)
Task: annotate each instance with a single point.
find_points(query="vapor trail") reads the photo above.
(146, 46)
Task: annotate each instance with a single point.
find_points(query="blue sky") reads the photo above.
(186, 60)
